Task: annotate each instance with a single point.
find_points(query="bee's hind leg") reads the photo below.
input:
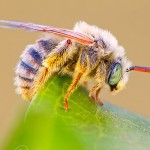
(43, 75)
(55, 59)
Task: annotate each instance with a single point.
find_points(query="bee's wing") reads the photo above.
(81, 38)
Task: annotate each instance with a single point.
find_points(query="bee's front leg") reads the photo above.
(96, 89)
(97, 98)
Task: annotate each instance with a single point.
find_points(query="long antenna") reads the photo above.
(139, 68)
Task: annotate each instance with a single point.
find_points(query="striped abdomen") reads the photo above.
(31, 61)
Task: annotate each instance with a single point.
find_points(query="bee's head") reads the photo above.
(117, 76)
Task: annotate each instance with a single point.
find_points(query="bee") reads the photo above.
(87, 53)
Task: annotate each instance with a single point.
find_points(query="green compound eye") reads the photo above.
(115, 74)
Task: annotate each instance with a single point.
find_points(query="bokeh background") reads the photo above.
(128, 20)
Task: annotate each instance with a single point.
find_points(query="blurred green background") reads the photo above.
(128, 20)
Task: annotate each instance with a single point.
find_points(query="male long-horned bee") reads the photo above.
(86, 52)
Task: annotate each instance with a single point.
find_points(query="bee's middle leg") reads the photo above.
(80, 71)
(73, 85)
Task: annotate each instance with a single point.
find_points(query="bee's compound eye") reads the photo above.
(115, 74)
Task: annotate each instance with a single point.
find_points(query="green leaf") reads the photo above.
(85, 126)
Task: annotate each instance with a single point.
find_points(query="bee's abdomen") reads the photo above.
(31, 60)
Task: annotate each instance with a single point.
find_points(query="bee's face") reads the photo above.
(117, 76)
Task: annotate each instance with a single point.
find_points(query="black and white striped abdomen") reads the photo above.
(31, 61)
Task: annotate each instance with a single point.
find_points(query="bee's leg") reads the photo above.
(56, 58)
(97, 86)
(80, 70)
(43, 75)
(96, 89)
(96, 97)
(71, 88)
(60, 54)
(100, 77)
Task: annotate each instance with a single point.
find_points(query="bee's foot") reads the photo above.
(95, 100)
(66, 105)
(92, 99)
(101, 103)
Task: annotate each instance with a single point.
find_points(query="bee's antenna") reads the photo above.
(138, 68)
